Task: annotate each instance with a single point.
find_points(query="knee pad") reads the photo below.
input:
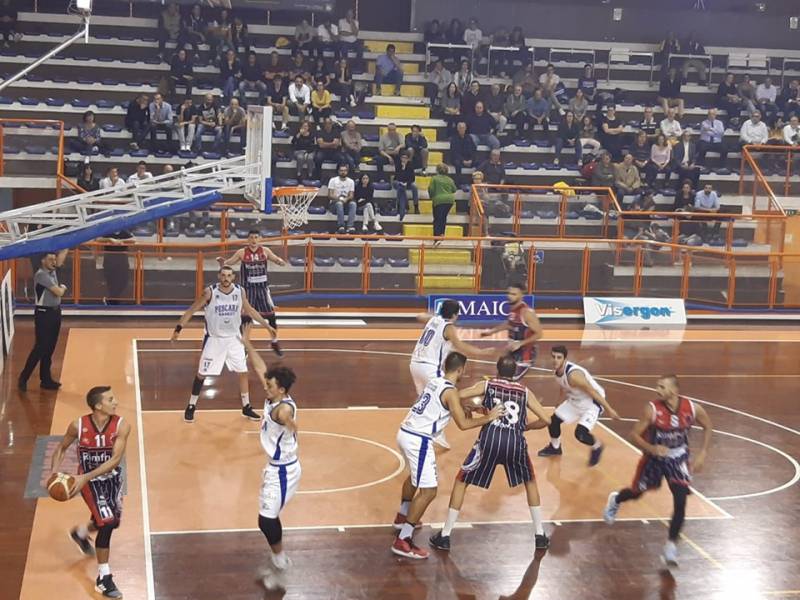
(103, 538)
(555, 427)
(271, 528)
(583, 435)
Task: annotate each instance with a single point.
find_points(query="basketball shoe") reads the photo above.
(188, 414)
(276, 348)
(542, 542)
(612, 508)
(107, 587)
(399, 521)
(550, 451)
(406, 547)
(84, 544)
(670, 554)
(594, 456)
(439, 541)
(249, 413)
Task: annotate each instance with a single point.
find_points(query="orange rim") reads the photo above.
(293, 191)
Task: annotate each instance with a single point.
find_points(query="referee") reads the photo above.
(47, 321)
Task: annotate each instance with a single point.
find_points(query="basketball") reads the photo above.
(473, 405)
(58, 486)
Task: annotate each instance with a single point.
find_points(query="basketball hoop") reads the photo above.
(293, 203)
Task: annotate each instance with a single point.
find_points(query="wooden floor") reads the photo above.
(190, 522)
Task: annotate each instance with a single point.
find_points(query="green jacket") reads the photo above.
(442, 190)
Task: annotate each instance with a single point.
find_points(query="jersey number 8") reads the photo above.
(512, 411)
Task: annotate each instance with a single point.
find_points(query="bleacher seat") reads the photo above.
(377, 261)
(399, 262)
(297, 261)
(324, 261)
(349, 262)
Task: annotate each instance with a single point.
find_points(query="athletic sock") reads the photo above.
(536, 516)
(193, 399)
(452, 517)
(406, 531)
(597, 444)
(280, 560)
(82, 531)
(245, 399)
(555, 443)
(404, 505)
(103, 569)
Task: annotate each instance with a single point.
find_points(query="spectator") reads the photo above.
(86, 180)
(303, 150)
(754, 130)
(352, 145)
(455, 36)
(640, 150)
(767, 98)
(538, 113)
(141, 173)
(494, 173)
(8, 23)
(517, 40)
(462, 149)
(389, 147)
(747, 92)
(416, 146)
(329, 144)
(670, 45)
(526, 80)
(274, 68)
(187, 124)
(549, 80)
(695, 48)
(342, 83)
(728, 99)
(684, 199)
(168, 169)
(669, 92)
(208, 119)
(90, 136)
(439, 79)
(684, 159)
(276, 98)
(587, 83)
(494, 104)
(791, 133)
(589, 134)
(790, 98)
(116, 267)
(470, 98)
(170, 28)
(251, 79)
(389, 69)
(299, 97)
(707, 201)
(299, 66)
(648, 124)
(603, 173)
(320, 72)
(181, 72)
(626, 177)
(137, 120)
(240, 36)
(348, 35)
(560, 97)
(515, 110)
(230, 71)
(364, 197)
(112, 181)
(502, 58)
(194, 29)
(712, 132)
(660, 160)
(434, 33)
(451, 106)
(404, 180)
(304, 38)
(441, 191)
(234, 120)
(612, 130)
(341, 190)
(464, 77)
(218, 34)
(579, 105)
(670, 127)
(320, 103)
(569, 135)
(328, 38)
(480, 126)
(473, 37)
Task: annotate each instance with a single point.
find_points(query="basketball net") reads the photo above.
(293, 203)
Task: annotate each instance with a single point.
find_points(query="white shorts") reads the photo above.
(420, 457)
(279, 485)
(422, 373)
(585, 415)
(217, 351)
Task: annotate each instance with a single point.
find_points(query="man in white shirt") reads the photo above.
(348, 35)
(473, 36)
(340, 191)
(549, 80)
(670, 127)
(328, 38)
(112, 180)
(791, 133)
(766, 96)
(299, 97)
(754, 130)
(141, 173)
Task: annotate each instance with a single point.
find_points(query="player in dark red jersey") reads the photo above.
(524, 329)
(663, 435)
(102, 437)
(254, 278)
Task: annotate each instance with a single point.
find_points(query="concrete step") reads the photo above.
(415, 230)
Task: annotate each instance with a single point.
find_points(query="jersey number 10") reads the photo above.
(427, 336)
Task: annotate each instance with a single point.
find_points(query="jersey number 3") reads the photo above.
(422, 404)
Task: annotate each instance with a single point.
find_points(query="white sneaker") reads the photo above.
(612, 507)
(281, 561)
(272, 580)
(440, 440)
(378, 227)
(670, 554)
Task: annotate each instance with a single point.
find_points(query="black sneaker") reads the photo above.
(50, 385)
(188, 414)
(542, 542)
(276, 348)
(550, 451)
(22, 385)
(594, 457)
(440, 542)
(84, 544)
(105, 585)
(249, 413)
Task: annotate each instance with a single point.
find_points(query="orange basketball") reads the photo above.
(58, 486)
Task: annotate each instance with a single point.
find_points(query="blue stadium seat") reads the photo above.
(316, 210)
(195, 232)
(526, 214)
(371, 137)
(377, 261)
(297, 261)
(78, 103)
(269, 233)
(6, 100)
(399, 262)
(54, 102)
(34, 149)
(740, 243)
(546, 214)
(321, 261)
(572, 214)
(312, 183)
(26, 101)
(116, 152)
(34, 77)
(530, 166)
(280, 133)
(522, 143)
(140, 153)
(382, 186)
(211, 155)
(349, 262)
(111, 128)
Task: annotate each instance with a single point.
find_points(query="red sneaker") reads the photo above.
(407, 548)
(400, 520)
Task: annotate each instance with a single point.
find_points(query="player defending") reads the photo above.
(253, 273)
(102, 437)
(501, 442)
(437, 339)
(431, 414)
(524, 330)
(224, 304)
(582, 400)
(663, 435)
(282, 473)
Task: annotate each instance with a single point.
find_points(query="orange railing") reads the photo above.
(780, 161)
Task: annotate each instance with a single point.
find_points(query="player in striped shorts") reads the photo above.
(501, 442)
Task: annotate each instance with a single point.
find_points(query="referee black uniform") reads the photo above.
(47, 324)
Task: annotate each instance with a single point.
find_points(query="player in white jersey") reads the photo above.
(437, 340)
(282, 472)
(582, 400)
(222, 345)
(438, 402)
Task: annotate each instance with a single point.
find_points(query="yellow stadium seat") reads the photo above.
(420, 230)
(380, 46)
(399, 111)
(442, 256)
(447, 282)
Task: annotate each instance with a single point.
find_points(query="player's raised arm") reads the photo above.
(66, 442)
(536, 408)
(116, 457)
(637, 435)
(423, 317)
(451, 335)
(233, 260)
(271, 256)
(578, 380)
(452, 399)
(248, 309)
(201, 301)
(259, 366)
(701, 418)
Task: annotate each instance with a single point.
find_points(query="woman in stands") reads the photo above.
(441, 191)
(87, 181)
(303, 149)
(589, 134)
(451, 107)
(230, 72)
(240, 36)
(660, 160)
(455, 35)
(342, 84)
(464, 77)
(320, 102)
(321, 72)
(364, 197)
